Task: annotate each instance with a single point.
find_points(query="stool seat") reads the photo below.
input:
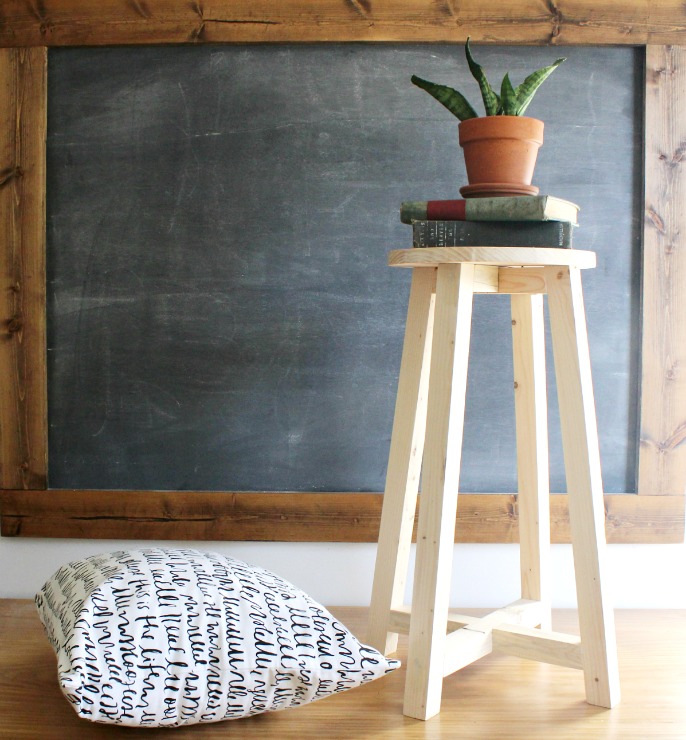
(500, 256)
(426, 444)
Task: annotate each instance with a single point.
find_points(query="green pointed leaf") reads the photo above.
(491, 100)
(526, 91)
(454, 101)
(508, 98)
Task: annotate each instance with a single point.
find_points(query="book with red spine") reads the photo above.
(512, 208)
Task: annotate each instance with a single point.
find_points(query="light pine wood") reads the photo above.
(486, 279)
(531, 420)
(503, 256)
(584, 483)
(404, 463)
(525, 280)
(434, 650)
(556, 648)
(509, 280)
(518, 613)
(401, 616)
(23, 374)
(499, 697)
(304, 517)
(97, 22)
(662, 451)
(440, 478)
(474, 641)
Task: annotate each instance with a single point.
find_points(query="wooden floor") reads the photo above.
(498, 697)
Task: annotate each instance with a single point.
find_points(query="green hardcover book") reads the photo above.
(515, 208)
(492, 234)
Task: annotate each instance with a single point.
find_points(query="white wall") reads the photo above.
(643, 576)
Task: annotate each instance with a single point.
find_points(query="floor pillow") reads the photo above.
(164, 637)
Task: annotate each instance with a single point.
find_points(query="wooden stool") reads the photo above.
(430, 403)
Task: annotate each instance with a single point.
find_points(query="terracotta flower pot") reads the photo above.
(500, 155)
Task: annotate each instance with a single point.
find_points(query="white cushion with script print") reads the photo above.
(164, 637)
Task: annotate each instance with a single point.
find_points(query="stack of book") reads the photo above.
(515, 221)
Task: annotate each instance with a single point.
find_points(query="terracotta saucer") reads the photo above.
(496, 190)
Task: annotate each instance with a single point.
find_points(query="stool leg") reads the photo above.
(584, 484)
(404, 463)
(528, 349)
(440, 479)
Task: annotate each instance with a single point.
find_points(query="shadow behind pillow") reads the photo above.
(164, 637)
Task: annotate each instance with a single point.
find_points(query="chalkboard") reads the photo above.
(221, 316)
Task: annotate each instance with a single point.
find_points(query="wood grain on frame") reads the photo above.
(303, 517)
(23, 379)
(99, 22)
(662, 456)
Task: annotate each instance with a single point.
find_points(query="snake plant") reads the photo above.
(512, 101)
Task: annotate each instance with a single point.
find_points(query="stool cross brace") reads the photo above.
(427, 441)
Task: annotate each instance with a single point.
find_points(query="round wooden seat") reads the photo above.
(499, 256)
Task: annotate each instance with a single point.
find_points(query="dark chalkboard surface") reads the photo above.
(220, 311)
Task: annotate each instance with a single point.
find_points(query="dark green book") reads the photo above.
(492, 234)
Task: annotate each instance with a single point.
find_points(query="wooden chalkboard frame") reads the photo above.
(655, 514)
